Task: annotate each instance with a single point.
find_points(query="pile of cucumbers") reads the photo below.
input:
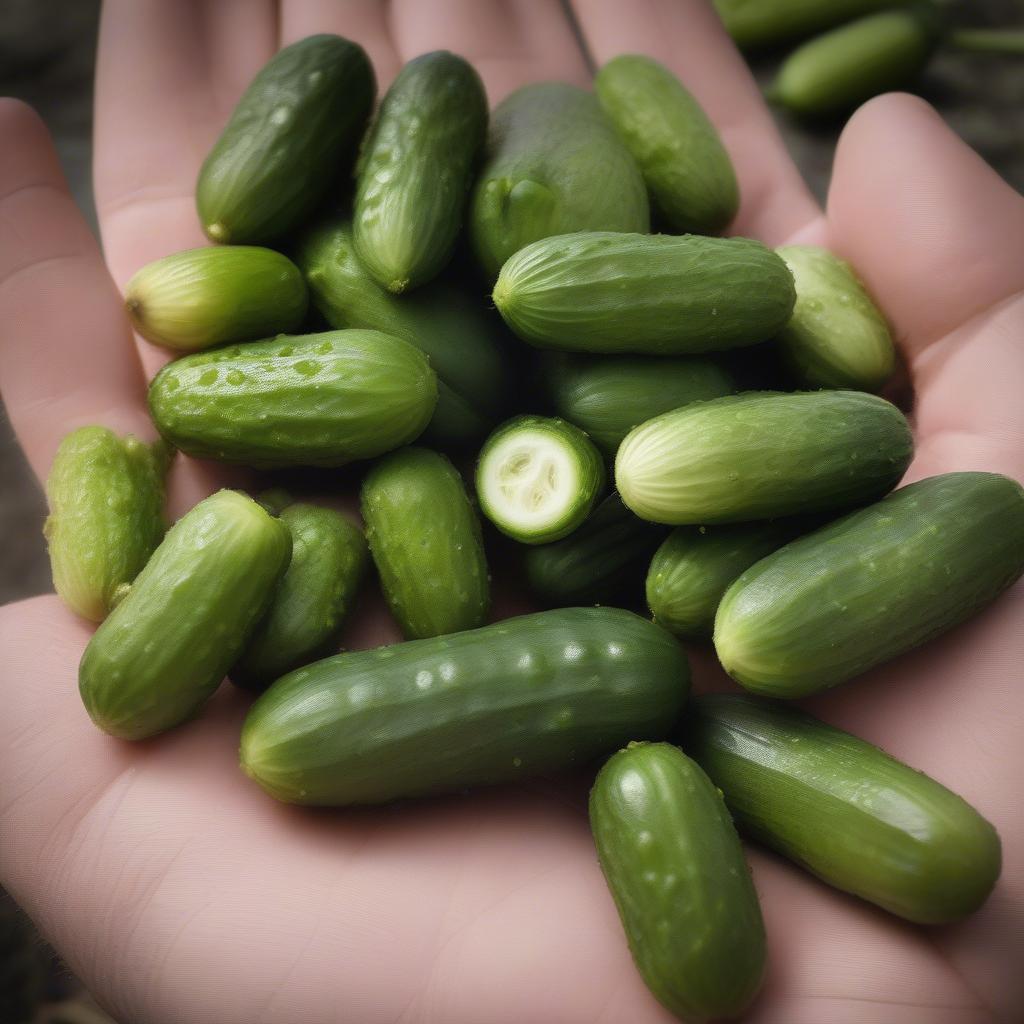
(343, 317)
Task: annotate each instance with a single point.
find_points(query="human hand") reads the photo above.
(174, 887)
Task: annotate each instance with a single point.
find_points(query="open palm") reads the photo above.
(176, 888)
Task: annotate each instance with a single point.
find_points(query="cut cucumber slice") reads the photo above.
(537, 479)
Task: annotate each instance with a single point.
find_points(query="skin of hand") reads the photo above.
(174, 887)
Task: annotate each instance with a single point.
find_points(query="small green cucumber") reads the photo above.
(304, 400)
(757, 23)
(313, 599)
(676, 870)
(416, 169)
(873, 584)
(837, 337)
(538, 478)
(687, 169)
(843, 809)
(426, 543)
(554, 164)
(165, 648)
(292, 136)
(202, 297)
(528, 695)
(106, 498)
(601, 291)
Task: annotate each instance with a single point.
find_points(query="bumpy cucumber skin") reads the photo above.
(554, 164)
(106, 499)
(837, 337)
(313, 599)
(218, 294)
(524, 696)
(843, 809)
(755, 23)
(607, 396)
(869, 586)
(464, 343)
(691, 571)
(416, 168)
(293, 134)
(761, 455)
(686, 167)
(676, 870)
(601, 291)
(304, 400)
(164, 649)
(426, 543)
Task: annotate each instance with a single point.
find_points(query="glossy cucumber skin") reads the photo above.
(761, 455)
(293, 134)
(873, 584)
(527, 695)
(312, 600)
(303, 400)
(106, 500)
(465, 343)
(415, 169)
(675, 867)
(686, 167)
(426, 543)
(165, 648)
(843, 809)
(603, 292)
(553, 164)
(755, 23)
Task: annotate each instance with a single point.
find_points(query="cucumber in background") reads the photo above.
(758, 23)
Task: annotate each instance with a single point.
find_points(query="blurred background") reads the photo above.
(47, 50)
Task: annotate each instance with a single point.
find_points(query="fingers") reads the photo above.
(686, 36)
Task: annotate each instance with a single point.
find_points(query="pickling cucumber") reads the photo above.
(755, 23)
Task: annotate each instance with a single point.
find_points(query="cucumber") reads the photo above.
(537, 478)
(686, 167)
(754, 23)
(843, 809)
(416, 169)
(597, 291)
(528, 695)
(304, 400)
(761, 455)
(425, 538)
(292, 136)
(313, 599)
(869, 586)
(676, 870)
(600, 560)
(464, 342)
(202, 297)
(554, 164)
(106, 498)
(607, 396)
(164, 649)
(837, 337)
(694, 567)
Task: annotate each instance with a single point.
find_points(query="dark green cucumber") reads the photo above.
(609, 396)
(756, 23)
(675, 867)
(305, 400)
(165, 648)
(425, 538)
(761, 455)
(601, 291)
(554, 164)
(873, 584)
(463, 340)
(292, 136)
(528, 695)
(686, 167)
(416, 168)
(313, 599)
(106, 498)
(843, 809)
(222, 293)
